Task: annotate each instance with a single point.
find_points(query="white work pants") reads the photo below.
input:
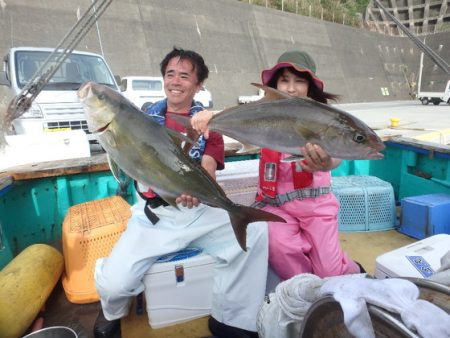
(239, 277)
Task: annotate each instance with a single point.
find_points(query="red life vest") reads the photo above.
(269, 164)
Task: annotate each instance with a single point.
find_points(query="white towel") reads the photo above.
(395, 295)
(442, 275)
(282, 315)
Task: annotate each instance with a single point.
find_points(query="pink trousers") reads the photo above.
(309, 240)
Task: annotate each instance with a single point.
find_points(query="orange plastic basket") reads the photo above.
(90, 230)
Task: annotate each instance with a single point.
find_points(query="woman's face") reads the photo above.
(292, 84)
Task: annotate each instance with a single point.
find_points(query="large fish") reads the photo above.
(147, 152)
(284, 123)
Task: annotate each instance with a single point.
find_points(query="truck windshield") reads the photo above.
(75, 70)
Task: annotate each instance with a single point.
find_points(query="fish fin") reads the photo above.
(271, 94)
(179, 138)
(241, 216)
(170, 200)
(115, 170)
(293, 158)
(192, 134)
(184, 120)
(307, 133)
(246, 148)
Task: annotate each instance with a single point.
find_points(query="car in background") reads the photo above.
(146, 90)
(204, 97)
(142, 90)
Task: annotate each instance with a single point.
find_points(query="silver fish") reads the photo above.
(284, 123)
(147, 152)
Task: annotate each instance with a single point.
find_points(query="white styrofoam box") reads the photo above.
(35, 148)
(420, 259)
(179, 291)
(239, 180)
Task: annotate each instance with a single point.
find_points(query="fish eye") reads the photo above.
(359, 138)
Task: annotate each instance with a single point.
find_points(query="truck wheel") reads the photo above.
(436, 103)
(424, 100)
(448, 102)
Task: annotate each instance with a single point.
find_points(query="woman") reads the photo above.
(299, 192)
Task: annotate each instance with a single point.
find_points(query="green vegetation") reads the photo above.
(347, 12)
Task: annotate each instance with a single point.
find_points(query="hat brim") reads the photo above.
(267, 74)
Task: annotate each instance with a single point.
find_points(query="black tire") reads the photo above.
(436, 103)
(424, 101)
(448, 102)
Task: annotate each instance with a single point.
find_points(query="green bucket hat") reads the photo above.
(300, 61)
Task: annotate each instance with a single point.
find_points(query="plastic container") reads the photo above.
(90, 230)
(425, 215)
(367, 203)
(178, 288)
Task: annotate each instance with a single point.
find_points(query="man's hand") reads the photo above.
(317, 159)
(200, 122)
(188, 201)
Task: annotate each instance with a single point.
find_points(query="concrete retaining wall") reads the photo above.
(236, 39)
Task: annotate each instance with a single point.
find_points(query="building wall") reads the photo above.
(236, 39)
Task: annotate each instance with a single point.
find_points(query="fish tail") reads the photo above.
(242, 215)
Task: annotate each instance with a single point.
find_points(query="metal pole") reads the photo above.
(98, 30)
(433, 55)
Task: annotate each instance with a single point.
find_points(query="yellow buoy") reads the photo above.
(25, 284)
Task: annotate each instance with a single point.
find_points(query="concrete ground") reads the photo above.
(424, 122)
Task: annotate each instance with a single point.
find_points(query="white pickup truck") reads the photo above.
(435, 97)
(57, 107)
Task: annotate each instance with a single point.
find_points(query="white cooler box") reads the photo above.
(178, 287)
(420, 259)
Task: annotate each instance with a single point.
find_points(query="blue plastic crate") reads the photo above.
(367, 203)
(425, 215)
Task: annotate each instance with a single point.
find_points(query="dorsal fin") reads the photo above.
(271, 94)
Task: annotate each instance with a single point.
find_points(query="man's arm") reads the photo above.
(210, 165)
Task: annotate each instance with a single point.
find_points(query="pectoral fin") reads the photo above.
(248, 148)
(293, 158)
(115, 170)
(179, 138)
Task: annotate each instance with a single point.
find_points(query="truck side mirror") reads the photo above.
(4, 79)
(117, 78)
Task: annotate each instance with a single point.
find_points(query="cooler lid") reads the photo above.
(188, 257)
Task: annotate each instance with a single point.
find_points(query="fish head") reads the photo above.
(368, 144)
(101, 104)
(354, 139)
(361, 142)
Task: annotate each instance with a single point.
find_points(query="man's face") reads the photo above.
(180, 84)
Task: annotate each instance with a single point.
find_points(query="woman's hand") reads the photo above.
(200, 122)
(317, 159)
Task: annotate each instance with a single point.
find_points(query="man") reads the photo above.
(156, 228)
